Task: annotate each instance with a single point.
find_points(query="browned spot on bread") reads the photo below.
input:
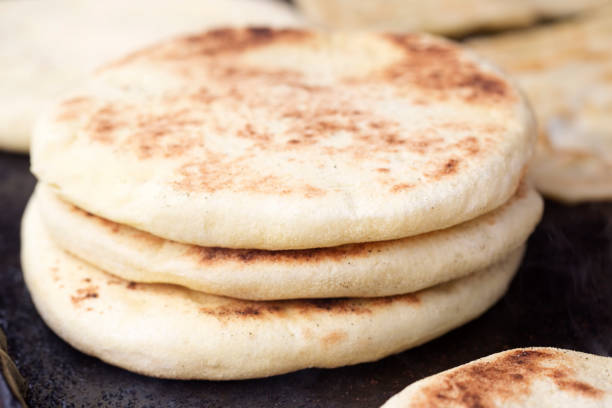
(335, 306)
(439, 67)
(401, 187)
(215, 172)
(412, 298)
(89, 292)
(104, 123)
(131, 285)
(339, 306)
(333, 338)
(507, 378)
(210, 255)
(383, 170)
(221, 41)
(469, 145)
(565, 383)
(424, 145)
(70, 109)
(230, 40)
(355, 306)
(450, 166)
(246, 309)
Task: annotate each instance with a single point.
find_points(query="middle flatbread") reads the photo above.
(357, 270)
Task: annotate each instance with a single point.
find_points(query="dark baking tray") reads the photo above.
(562, 296)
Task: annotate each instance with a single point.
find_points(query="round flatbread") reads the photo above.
(520, 378)
(356, 270)
(50, 45)
(172, 332)
(288, 139)
(566, 70)
(449, 17)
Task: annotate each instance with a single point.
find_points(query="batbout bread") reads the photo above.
(520, 378)
(566, 70)
(354, 270)
(171, 332)
(448, 17)
(288, 139)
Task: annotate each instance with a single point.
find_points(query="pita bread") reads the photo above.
(449, 17)
(566, 70)
(51, 45)
(357, 270)
(288, 139)
(167, 331)
(519, 378)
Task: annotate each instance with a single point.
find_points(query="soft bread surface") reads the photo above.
(520, 378)
(288, 139)
(50, 45)
(371, 269)
(566, 70)
(449, 17)
(172, 332)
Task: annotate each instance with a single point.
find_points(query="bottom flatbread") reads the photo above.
(519, 378)
(172, 332)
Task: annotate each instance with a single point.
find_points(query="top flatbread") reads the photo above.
(566, 70)
(519, 378)
(47, 46)
(450, 17)
(288, 139)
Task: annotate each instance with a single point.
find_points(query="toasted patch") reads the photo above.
(519, 378)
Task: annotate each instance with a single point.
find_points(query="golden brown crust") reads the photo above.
(484, 384)
(244, 309)
(440, 68)
(311, 112)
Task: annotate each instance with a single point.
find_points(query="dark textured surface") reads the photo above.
(561, 297)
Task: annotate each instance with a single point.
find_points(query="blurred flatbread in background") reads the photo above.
(449, 17)
(566, 70)
(519, 378)
(47, 46)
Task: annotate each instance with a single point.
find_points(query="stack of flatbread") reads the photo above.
(247, 202)
(566, 70)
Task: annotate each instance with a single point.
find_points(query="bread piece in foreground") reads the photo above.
(520, 378)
